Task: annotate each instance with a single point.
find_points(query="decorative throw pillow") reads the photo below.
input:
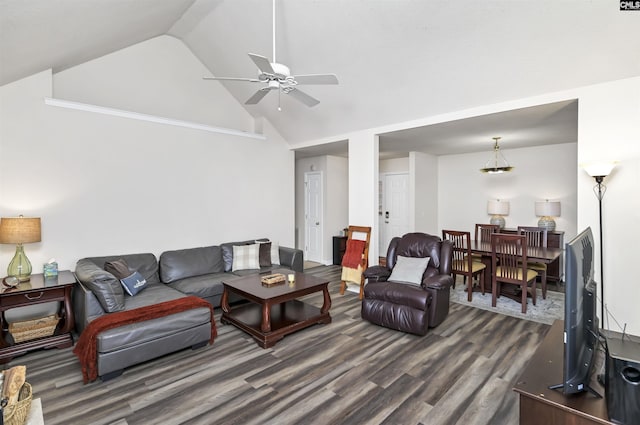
(246, 257)
(134, 283)
(275, 253)
(265, 254)
(409, 269)
(119, 268)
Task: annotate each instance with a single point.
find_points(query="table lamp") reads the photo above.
(497, 209)
(546, 210)
(19, 230)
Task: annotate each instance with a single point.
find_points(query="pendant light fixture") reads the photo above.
(497, 164)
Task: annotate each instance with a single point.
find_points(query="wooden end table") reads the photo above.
(37, 291)
(274, 310)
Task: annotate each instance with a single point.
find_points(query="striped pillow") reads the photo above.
(246, 257)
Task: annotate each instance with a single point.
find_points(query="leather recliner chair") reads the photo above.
(408, 307)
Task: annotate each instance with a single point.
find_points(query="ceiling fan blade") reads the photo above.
(257, 96)
(303, 97)
(262, 63)
(316, 79)
(251, 80)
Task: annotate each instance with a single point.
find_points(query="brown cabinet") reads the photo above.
(555, 239)
(339, 247)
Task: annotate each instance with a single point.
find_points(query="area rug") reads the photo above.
(545, 311)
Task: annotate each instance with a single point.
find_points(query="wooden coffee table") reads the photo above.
(274, 311)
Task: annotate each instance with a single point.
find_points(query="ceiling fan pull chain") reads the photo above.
(279, 94)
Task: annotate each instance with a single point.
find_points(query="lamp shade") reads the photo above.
(19, 230)
(497, 207)
(548, 208)
(599, 169)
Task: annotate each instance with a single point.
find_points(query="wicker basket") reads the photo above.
(32, 329)
(16, 414)
(272, 279)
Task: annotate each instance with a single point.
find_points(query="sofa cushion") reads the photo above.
(134, 283)
(105, 286)
(205, 286)
(265, 254)
(409, 270)
(146, 264)
(227, 251)
(148, 330)
(184, 263)
(275, 253)
(119, 268)
(246, 257)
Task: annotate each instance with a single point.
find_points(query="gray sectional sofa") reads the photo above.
(195, 271)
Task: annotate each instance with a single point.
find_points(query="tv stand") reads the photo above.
(540, 405)
(587, 388)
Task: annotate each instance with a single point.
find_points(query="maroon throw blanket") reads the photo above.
(87, 347)
(353, 254)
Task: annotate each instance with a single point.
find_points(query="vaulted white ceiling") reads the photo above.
(396, 60)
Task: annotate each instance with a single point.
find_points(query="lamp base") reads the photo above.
(497, 219)
(547, 223)
(20, 266)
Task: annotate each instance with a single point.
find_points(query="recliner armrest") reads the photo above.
(377, 273)
(441, 281)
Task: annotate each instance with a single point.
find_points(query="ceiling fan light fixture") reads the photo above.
(498, 164)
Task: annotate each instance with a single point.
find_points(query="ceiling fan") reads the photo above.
(276, 76)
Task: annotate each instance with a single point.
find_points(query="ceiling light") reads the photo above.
(497, 164)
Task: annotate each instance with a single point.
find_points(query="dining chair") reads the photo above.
(509, 258)
(537, 237)
(462, 263)
(483, 233)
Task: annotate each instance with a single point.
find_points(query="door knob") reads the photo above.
(317, 223)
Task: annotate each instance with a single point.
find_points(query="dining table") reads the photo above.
(535, 254)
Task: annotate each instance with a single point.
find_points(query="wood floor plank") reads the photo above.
(346, 372)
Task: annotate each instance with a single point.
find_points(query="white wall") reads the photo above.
(110, 185)
(394, 165)
(609, 128)
(363, 186)
(544, 172)
(337, 201)
(424, 178)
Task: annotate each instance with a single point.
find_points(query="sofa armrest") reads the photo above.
(86, 306)
(292, 258)
(440, 281)
(377, 273)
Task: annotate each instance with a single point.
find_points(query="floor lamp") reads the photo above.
(599, 171)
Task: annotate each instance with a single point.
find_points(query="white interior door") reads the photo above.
(395, 211)
(313, 207)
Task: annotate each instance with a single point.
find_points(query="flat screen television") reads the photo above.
(580, 321)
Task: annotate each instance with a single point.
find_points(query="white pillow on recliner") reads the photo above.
(409, 269)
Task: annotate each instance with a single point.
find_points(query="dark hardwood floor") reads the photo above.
(348, 372)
